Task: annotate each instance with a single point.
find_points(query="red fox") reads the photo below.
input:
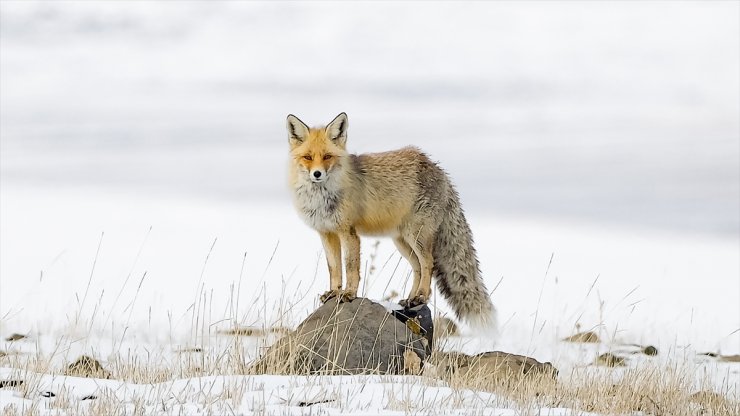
(401, 194)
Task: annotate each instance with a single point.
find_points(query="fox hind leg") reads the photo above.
(408, 253)
(424, 290)
(421, 245)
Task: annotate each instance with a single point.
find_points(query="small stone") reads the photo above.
(610, 360)
(189, 350)
(15, 337)
(87, 367)
(650, 350)
(10, 383)
(583, 337)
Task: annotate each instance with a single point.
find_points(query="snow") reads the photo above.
(357, 395)
(160, 285)
(158, 257)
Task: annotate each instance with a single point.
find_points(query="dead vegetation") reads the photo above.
(522, 382)
(87, 367)
(613, 386)
(254, 331)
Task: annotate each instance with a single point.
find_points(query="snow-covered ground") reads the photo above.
(169, 275)
(119, 259)
(143, 205)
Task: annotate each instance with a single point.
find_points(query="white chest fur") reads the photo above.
(318, 204)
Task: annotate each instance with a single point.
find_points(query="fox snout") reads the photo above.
(318, 175)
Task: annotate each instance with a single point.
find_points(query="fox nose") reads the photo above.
(317, 174)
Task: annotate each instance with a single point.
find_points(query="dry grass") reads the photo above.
(651, 391)
(648, 389)
(217, 346)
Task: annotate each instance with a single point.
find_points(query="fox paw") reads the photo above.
(341, 295)
(415, 301)
(329, 294)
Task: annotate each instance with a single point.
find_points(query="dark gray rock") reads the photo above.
(357, 337)
(650, 350)
(421, 322)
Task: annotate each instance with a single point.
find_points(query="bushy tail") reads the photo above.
(456, 268)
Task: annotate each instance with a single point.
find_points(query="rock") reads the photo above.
(15, 337)
(419, 320)
(712, 403)
(189, 350)
(494, 367)
(610, 360)
(724, 358)
(356, 337)
(87, 367)
(650, 350)
(10, 383)
(445, 327)
(583, 337)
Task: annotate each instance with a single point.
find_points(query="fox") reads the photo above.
(401, 194)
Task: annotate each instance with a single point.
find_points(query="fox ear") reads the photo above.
(337, 129)
(297, 130)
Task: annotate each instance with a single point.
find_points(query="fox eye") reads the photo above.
(327, 157)
(307, 157)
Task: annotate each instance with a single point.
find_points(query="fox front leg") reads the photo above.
(351, 247)
(333, 252)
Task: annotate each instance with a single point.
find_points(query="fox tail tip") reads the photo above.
(486, 321)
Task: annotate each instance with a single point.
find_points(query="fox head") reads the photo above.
(317, 151)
